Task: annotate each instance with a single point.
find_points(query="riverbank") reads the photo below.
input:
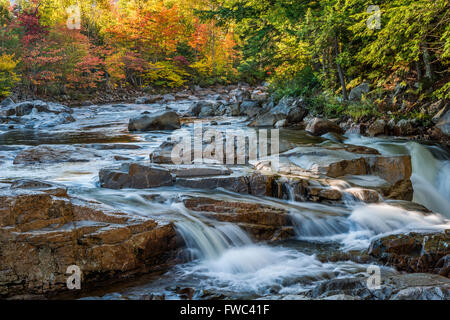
(430, 123)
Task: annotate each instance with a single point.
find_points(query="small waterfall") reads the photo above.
(313, 225)
(290, 192)
(208, 242)
(431, 179)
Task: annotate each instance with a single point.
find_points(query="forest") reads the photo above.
(318, 49)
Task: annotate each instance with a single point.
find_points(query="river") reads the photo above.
(220, 259)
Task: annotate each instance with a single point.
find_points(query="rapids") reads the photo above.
(220, 260)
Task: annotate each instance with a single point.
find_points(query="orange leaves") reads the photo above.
(200, 37)
(156, 30)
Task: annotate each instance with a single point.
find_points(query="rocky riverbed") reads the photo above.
(96, 187)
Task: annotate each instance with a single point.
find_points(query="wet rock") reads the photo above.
(263, 222)
(43, 186)
(440, 113)
(255, 184)
(357, 92)
(393, 287)
(444, 124)
(115, 146)
(237, 184)
(54, 154)
(330, 194)
(25, 108)
(163, 154)
(239, 95)
(405, 128)
(258, 95)
(41, 235)
(185, 293)
(163, 120)
(36, 114)
(400, 190)
(415, 252)
(250, 108)
(135, 176)
(203, 108)
(121, 158)
(319, 126)
(188, 171)
(377, 128)
(392, 169)
(266, 120)
(148, 99)
(168, 98)
(289, 109)
(366, 195)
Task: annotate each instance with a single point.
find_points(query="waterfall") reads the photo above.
(208, 242)
(431, 179)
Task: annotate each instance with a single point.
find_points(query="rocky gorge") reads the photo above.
(95, 186)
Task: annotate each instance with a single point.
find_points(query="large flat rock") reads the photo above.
(42, 234)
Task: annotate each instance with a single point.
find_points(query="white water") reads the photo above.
(430, 176)
(222, 255)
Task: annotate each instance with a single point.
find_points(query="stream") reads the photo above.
(220, 259)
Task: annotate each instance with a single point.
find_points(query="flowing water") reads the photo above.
(220, 259)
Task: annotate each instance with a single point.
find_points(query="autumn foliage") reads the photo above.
(137, 43)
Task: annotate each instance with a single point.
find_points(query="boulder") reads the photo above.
(168, 98)
(255, 183)
(239, 95)
(294, 109)
(42, 234)
(357, 92)
(163, 153)
(377, 128)
(405, 128)
(194, 171)
(289, 109)
(238, 184)
(318, 127)
(163, 120)
(267, 119)
(444, 124)
(25, 108)
(54, 154)
(203, 108)
(135, 176)
(418, 286)
(415, 252)
(259, 95)
(262, 222)
(148, 99)
(250, 108)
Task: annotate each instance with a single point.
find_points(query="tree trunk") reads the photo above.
(419, 71)
(340, 72)
(213, 51)
(427, 62)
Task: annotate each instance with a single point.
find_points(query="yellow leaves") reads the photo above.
(8, 77)
(165, 74)
(7, 63)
